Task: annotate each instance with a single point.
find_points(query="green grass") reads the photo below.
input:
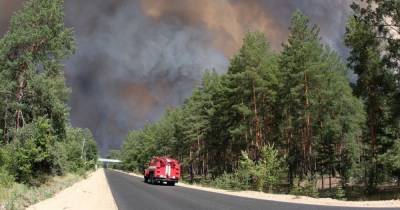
(20, 196)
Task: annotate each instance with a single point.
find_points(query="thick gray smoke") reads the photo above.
(330, 16)
(135, 58)
(129, 68)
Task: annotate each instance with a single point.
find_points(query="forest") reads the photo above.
(292, 121)
(36, 138)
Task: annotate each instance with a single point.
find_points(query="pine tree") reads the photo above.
(299, 58)
(316, 100)
(251, 84)
(368, 35)
(197, 111)
(31, 74)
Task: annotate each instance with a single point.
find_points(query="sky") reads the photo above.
(135, 58)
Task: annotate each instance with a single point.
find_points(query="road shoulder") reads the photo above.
(91, 193)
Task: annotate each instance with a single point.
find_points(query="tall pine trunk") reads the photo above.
(5, 130)
(21, 81)
(257, 129)
(306, 133)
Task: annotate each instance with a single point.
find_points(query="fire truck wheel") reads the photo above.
(171, 183)
(146, 179)
(152, 181)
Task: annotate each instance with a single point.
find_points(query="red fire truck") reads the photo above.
(162, 170)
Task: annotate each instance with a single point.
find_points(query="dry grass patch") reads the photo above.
(20, 196)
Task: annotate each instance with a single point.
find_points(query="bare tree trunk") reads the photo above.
(21, 81)
(306, 141)
(264, 116)
(398, 181)
(244, 121)
(256, 124)
(288, 133)
(203, 159)
(372, 128)
(5, 131)
(206, 165)
(289, 136)
(322, 180)
(373, 139)
(198, 152)
(191, 165)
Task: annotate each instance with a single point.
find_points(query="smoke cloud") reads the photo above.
(135, 58)
(227, 20)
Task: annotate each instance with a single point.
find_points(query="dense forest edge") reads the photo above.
(292, 121)
(37, 141)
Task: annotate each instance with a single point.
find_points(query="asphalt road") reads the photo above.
(132, 193)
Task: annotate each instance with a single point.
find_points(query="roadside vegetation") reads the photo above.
(21, 196)
(37, 141)
(292, 121)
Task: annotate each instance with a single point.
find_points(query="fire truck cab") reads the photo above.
(162, 170)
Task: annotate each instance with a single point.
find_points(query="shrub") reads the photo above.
(228, 182)
(339, 193)
(32, 152)
(254, 175)
(6, 180)
(264, 173)
(308, 189)
(68, 157)
(271, 167)
(6, 156)
(78, 153)
(37, 153)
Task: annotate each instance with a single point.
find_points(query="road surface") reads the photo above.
(132, 193)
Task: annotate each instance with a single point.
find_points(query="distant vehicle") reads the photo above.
(162, 170)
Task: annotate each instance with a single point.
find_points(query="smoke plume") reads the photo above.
(135, 58)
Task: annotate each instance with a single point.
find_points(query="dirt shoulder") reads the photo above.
(294, 199)
(91, 193)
